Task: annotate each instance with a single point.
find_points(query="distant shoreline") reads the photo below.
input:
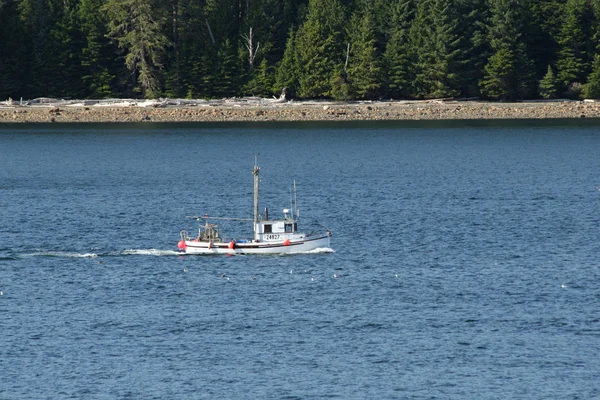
(302, 111)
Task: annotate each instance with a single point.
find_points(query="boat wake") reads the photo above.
(62, 254)
(149, 252)
(318, 250)
(139, 252)
(127, 252)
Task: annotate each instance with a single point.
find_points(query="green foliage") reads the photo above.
(96, 55)
(364, 70)
(320, 48)
(546, 18)
(500, 49)
(136, 28)
(576, 49)
(508, 72)
(261, 81)
(549, 85)
(12, 51)
(437, 52)
(499, 82)
(289, 68)
(398, 59)
(475, 45)
(592, 87)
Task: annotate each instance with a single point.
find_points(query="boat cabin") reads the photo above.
(273, 230)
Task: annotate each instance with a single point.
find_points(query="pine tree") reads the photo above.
(508, 72)
(288, 69)
(226, 82)
(398, 56)
(36, 20)
(12, 51)
(194, 57)
(261, 82)
(475, 46)
(437, 49)
(576, 50)
(592, 87)
(421, 41)
(320, 48)
(543, 32)
(501, 75)
(97, 53)
(445, 72)
(138, 31)
(364, 70)
(549, 85)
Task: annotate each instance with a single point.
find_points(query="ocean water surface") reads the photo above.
(464, 262)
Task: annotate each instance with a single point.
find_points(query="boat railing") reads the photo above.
(184, 235)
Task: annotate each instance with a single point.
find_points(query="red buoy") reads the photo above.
(231, 245)
(181, 245)
(286, 242)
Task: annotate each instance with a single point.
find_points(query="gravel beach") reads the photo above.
(301, 111)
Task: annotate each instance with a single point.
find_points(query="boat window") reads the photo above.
(295, 227)
(288, 228)
(268, 228)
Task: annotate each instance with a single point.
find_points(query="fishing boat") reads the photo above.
(271, 236)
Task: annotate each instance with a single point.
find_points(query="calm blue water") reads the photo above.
(466, 262)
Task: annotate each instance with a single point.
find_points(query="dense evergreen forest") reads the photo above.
(340, 49)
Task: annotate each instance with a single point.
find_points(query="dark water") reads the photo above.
(466, 262)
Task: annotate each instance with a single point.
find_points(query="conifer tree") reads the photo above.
(36, 20)
(398, 55)
(288, 69)
(543, 32)
(97, 53)
(261, 82)
(445, 72)
(364, 69)
(194, 57)
(576, 50)
(320, 48)
(437, 49)
(508, 72)
(549, 85)
(226, 83)
(138, 31)
(475, 47)
(12, 51)
(592, 87)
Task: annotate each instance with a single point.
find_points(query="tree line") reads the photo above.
(340, 49)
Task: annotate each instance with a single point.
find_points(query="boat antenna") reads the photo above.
(292, 201)
(255, 172)
(295, 202)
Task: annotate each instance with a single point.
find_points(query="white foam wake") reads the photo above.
(66, 254)
(318, 250)
(150, 252)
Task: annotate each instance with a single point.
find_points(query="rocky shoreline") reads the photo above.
(302, 111)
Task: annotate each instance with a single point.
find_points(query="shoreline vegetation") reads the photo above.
(261, 110)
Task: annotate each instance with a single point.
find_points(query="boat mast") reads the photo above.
(255, 208)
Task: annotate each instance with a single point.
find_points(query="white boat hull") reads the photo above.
(279, 247)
